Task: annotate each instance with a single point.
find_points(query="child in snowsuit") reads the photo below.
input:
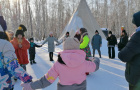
(9, 66)
(32, 51)
(70, 68)
(21, 46)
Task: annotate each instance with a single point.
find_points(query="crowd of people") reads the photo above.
(75, 61)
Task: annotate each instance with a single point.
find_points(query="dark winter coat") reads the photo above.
(131, 55)
(112, 40)
(123, 42)
(32, 48)
(78, 37)
(96, 41)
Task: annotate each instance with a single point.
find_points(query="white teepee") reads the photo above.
(82, 17)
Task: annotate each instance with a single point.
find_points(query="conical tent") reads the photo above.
(82, 17)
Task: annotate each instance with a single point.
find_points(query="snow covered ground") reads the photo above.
(110, 76)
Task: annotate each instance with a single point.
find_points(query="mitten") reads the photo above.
(26, 86)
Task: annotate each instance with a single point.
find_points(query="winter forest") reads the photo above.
(42, 16)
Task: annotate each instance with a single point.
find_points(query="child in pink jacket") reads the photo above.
(70, 68)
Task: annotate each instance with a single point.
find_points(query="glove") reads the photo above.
(26, 86)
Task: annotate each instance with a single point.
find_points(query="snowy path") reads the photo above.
(110, 76)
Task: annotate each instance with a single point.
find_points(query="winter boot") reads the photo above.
(34, 62)
(51, 60)
(31, 62)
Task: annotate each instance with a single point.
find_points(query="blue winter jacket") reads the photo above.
(96, 41)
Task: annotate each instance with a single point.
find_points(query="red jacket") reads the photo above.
(21, 53)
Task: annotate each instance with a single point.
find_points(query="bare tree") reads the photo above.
(42, 16)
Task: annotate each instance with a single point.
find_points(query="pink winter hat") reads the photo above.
(71, 44)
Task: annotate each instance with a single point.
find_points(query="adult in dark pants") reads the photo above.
(96, 43)
(32, 51)
(112, 41)
(123, 40)
(51, 45)
(130, 54)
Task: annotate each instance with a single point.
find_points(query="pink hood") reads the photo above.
(73, 58)
(74, 70)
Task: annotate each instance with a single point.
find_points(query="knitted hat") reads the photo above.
(83, 30)
(96, 31)
(21, 30)
(31, 39)
(110, 32)
(22, 27)
(67, 33)
(71, 44)
(3, 26)
(136, 19)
